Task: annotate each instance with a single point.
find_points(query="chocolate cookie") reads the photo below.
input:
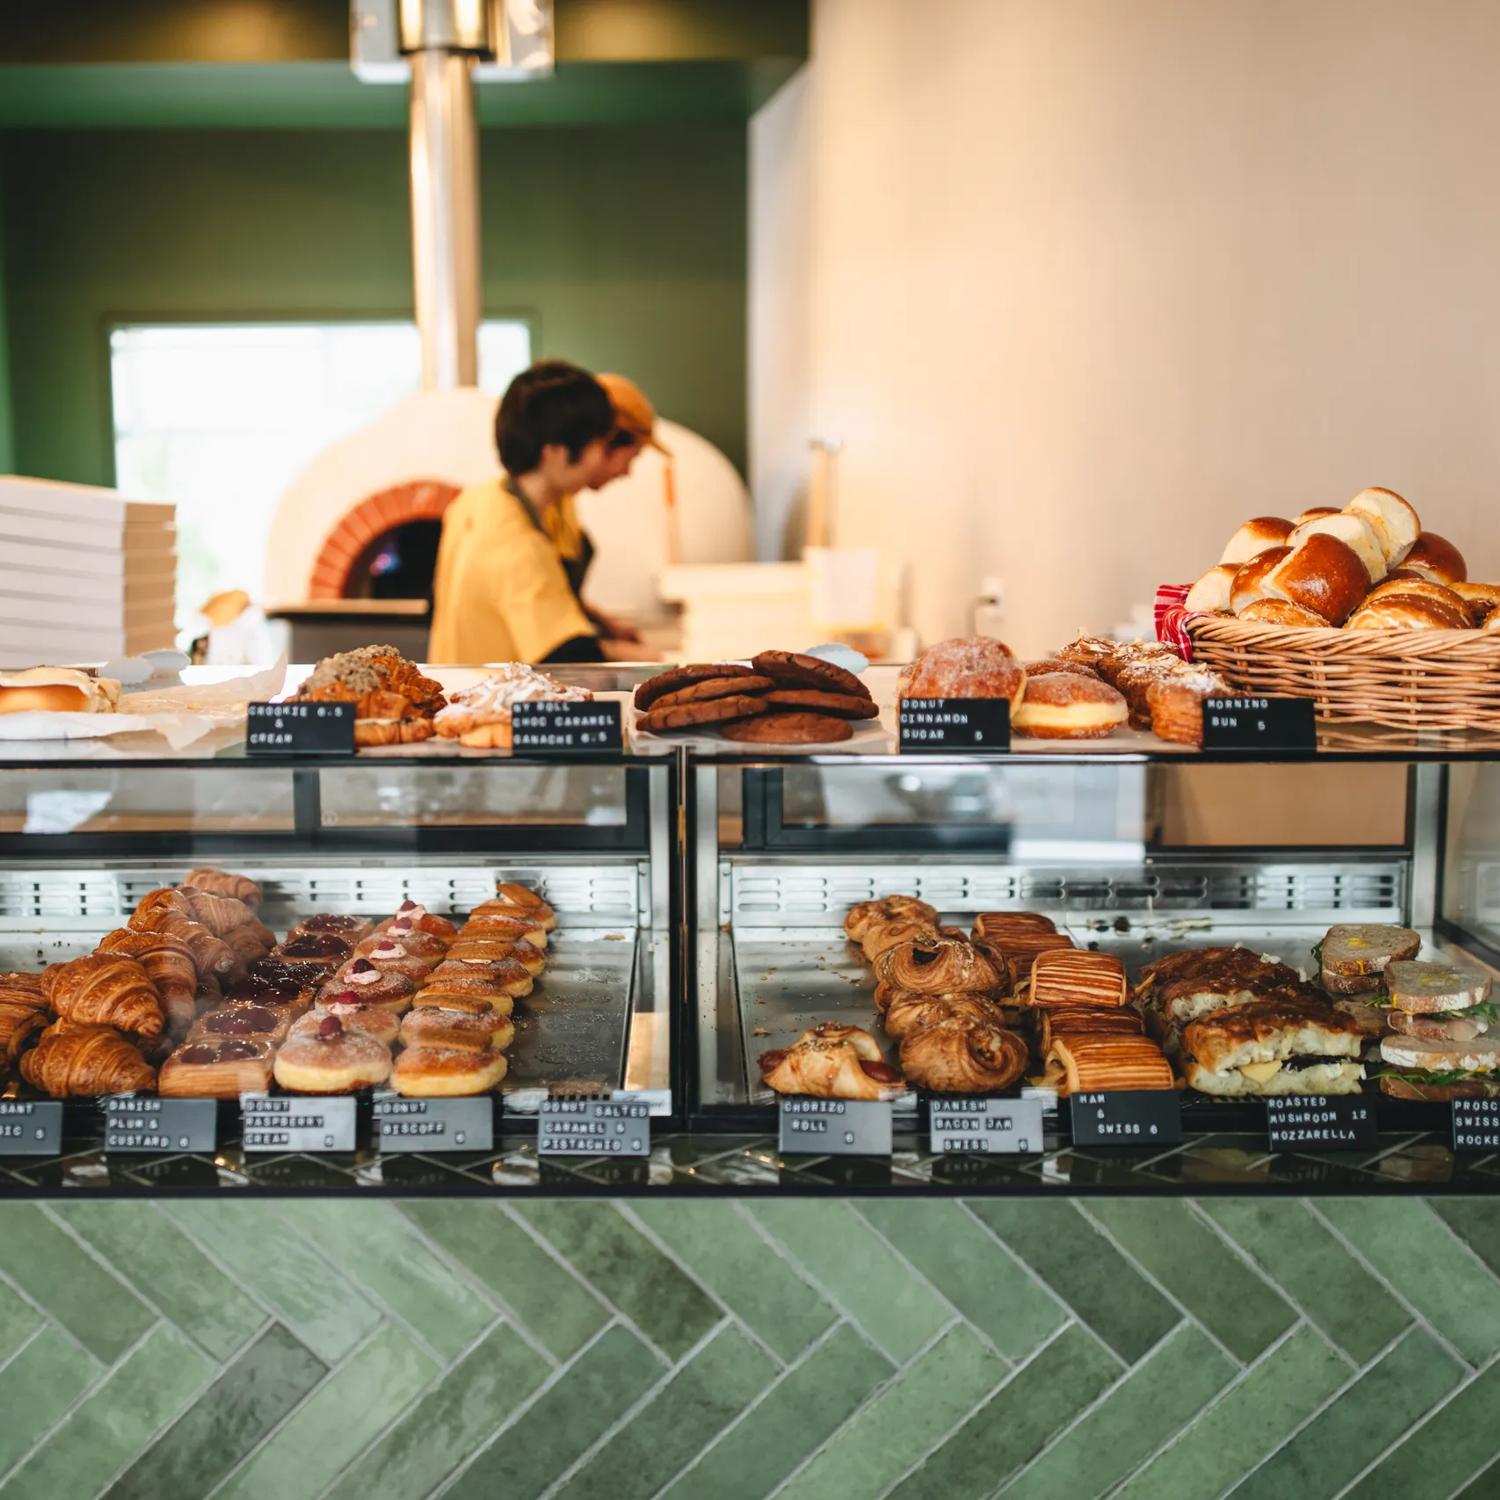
(712, 687)
(840, 705)
(791, 669)
(690, 715)
(789, 729)
(680, 677)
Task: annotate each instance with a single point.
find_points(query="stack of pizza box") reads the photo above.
(86, 574)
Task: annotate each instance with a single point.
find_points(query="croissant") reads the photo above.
(71, 1062)
(886, 909)
(963, 1056)
(935, 968)
(168, 962)
(211, 954)
(909, 1012)
(106, 990)
(223, 914)
(22, 988)
(19, 1022)
(829, 1068)
(222, 883)
(247, 943)
(1106, 1063)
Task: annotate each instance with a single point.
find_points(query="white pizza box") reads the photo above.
(79, 562)
(116, 591)
(134, 536)
(29, 648)
(80, 502)
(84, 610)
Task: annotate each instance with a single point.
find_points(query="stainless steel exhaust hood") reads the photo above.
(442, 47)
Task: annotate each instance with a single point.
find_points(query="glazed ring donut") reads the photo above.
(460, 1030)
(331, 1060)
(447, 1072)
(939, 967)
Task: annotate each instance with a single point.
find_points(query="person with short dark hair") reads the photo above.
(510, 566)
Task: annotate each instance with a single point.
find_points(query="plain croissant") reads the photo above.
(223, 914)
(222, 883)
(106, 990)
(164, 911)
(169, 963)
(19, 1022)
(961, 1056)
(71, 1062)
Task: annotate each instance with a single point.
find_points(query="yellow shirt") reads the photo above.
(499, 589)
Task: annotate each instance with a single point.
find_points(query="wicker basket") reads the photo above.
(1400, 679)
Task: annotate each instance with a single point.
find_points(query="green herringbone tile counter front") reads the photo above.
(1155, 1349)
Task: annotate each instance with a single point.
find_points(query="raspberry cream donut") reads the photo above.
(408, 938)
(367, 985)
(379, 1021)
(414, 914)
(1068, 706)
(333, 1059)
(391, 958)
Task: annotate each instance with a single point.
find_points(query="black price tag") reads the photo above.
(1476, 1125)
(434, 1124)
(1137, 1117)
(299, 729)
(1338, 1122)
(133, 1122)
(594, 1127)
(931, 724)
(296, 1123)
(566, 728)
(835, 1127)
(1240, 724)
(960, 1124)
(30, 1128)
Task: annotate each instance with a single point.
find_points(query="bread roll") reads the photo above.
(1436, 558)
(1354, 531)
(1419, 588)
(1314, 511)
(1492, 624)
(1211, 592)
(1279, 612)
(1481, 598)
(1255, 537)
(1393, 520)
(1408, 612)
(1250, 580)
(58, 690)
(1322, 574)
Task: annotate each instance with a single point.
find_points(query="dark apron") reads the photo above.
(576, 569)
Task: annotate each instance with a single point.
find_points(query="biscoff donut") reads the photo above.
(1067, 706)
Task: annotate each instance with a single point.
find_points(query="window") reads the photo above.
(220, 417)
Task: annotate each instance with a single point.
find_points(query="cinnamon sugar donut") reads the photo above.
(1068, 706)
(966, 667)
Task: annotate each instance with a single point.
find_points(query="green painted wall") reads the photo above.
(625, 245)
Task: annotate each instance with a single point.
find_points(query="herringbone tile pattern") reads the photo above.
(1144, 1349)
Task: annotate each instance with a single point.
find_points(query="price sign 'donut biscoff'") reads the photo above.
(556, 728)
(1247, 724)
(927, 725)
(432, 1125)
(834, 1127)
(299, 729)
(1132, 1117)
(1319, 1122)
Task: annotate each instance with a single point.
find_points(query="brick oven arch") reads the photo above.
(417, 500)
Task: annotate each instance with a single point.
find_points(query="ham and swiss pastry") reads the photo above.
(1077, 976)
(1106, 1062)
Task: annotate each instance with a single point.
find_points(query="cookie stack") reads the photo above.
(781, 698)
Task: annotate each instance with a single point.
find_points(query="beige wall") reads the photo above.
(1083, 283)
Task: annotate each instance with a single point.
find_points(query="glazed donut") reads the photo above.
(908, 1011)
(447, 1072)
(464, 1030)
(886, 909)
(947, 965)
(963, 1056)
(333, 1059)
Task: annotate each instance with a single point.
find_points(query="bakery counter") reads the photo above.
(1232, 1163)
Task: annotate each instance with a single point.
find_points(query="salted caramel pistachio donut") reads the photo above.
(1067, 706)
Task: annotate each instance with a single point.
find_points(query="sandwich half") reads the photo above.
(1353, 955)
(1438, 1069)
(1280, 1046)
